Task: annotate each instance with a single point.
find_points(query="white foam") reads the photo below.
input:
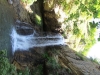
(25, 42)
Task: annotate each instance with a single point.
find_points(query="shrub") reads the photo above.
(98, 39)
(5, 67)
(38, 70)
(9, 69)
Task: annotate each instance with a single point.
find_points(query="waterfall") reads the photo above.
(25, 42)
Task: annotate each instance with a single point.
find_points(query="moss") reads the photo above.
(28, 1)
(38, 20)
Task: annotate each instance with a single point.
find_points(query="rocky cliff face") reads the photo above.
(46, 14)
(53, 16)
(29, 12)
(57, 60)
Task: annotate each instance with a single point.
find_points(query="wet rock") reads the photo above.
(23, 59)
(23, 28)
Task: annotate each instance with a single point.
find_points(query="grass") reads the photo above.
(80, 55)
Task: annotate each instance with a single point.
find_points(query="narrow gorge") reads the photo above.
(34, 33)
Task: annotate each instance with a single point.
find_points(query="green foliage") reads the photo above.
(26, 71)
(63, 4)
(52, 65)
(9, 69)
(93, 24)
(76, 30)
(80, 55)
(38, 70)
(5, 67)
(88, 45)
(94, 60)
(98, 39)
(51, 62)
(38, 20)
(80, 12)
(28, 1)
(90, 41)
(64, 35)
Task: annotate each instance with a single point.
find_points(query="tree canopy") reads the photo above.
(79, 15)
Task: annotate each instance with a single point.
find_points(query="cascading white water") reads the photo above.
(25, 42)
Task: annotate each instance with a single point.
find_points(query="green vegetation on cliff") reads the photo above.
(28, 1)
(78, 24)
(6, 68)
